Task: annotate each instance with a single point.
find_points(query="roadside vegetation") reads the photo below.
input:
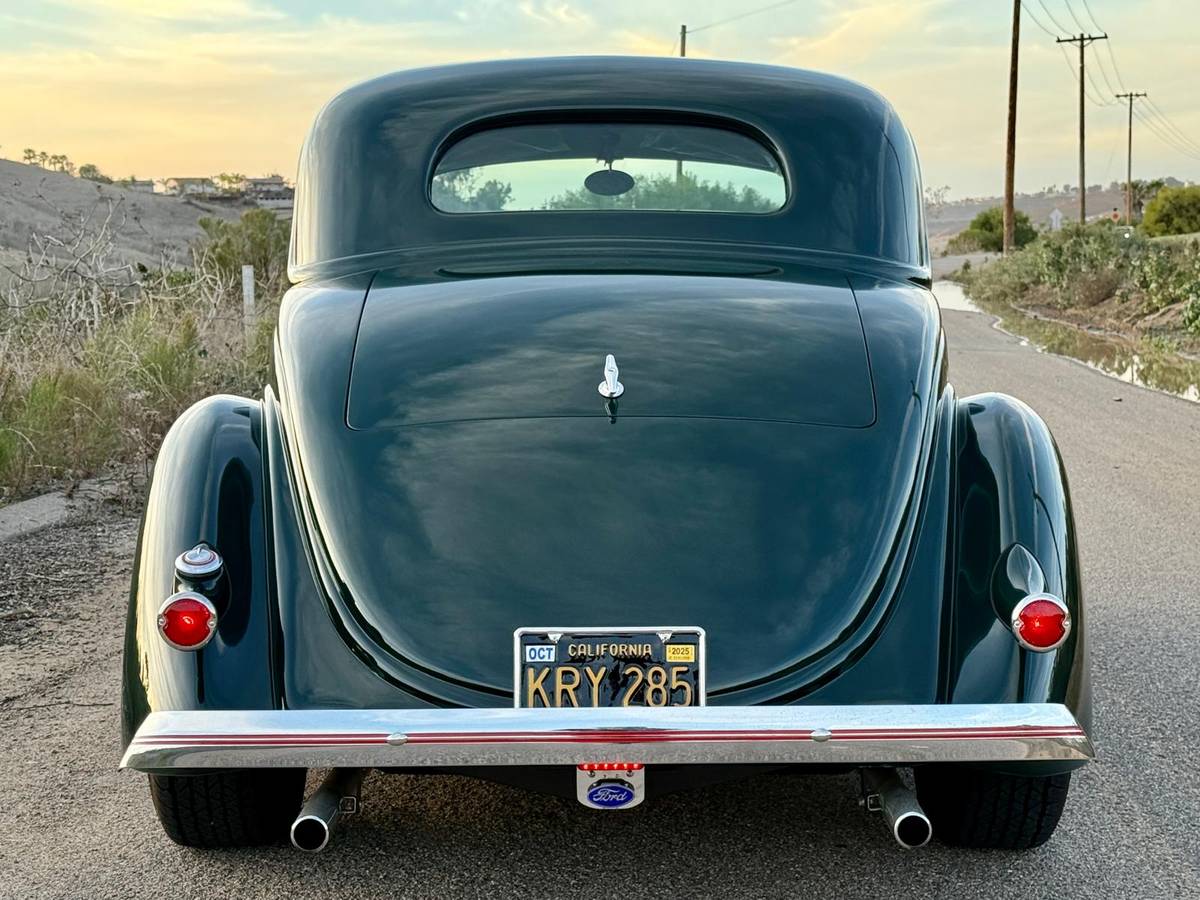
(98, 357)
(1102, 276)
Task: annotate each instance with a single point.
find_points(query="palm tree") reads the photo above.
(1143, 193)
(30, 156)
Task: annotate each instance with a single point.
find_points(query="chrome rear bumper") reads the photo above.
(852, 735)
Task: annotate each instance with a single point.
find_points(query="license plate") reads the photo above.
(592, 667)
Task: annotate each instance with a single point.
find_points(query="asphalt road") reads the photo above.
(72, 826)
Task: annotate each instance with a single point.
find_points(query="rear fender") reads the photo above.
(207, 486)
(1011, 494)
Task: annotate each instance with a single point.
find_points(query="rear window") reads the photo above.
(608, 166)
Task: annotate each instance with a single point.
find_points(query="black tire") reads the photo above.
(980, 809)
(244, 808)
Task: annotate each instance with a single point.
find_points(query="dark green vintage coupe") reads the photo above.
(609, 450)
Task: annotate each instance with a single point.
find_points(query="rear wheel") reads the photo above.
(976, 808)
(242, 808)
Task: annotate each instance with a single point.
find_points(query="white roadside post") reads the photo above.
(248, 313)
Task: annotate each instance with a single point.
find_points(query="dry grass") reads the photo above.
(98, 356)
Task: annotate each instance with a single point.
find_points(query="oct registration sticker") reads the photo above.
(593, 667)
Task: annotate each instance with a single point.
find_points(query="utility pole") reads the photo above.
(682, 52)
(1082, 40)
(1131, 96)
(1010, 147)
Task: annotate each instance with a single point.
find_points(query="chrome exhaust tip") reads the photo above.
(336, 798)
(912, 830)
(311, 833)
(884, 791)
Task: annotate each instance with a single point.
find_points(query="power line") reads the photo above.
(1165, 136)
(1112, 57)
(1092, 81)
(1171, 126)
(1181, 142)
(1155, 111)
(1034, 18)
(1090, 77)
(1104, 74)
(1053, 21)
(739, 16)
(1088, 7)
(1074, 74)
(1071, 11)
(1066, 56)
(1099, 59)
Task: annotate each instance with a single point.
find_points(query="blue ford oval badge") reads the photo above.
(610, 794)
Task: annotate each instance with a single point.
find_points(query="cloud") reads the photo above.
(856, 35)
(176, 11)
(555, 12)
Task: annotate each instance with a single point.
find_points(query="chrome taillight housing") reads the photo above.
(1041, 622)
(187, 620)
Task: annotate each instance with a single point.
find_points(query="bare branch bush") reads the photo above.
(98, 355)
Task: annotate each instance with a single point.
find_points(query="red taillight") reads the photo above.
(1041, 622)
(611, 767)
(187, 620)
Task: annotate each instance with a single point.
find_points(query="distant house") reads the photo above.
(191, 187)
(270, 192)
(270, 184)
(142, 185)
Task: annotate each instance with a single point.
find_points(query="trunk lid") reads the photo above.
(535, 346)
(743, 483)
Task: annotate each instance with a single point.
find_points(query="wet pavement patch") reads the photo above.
(1147, 362)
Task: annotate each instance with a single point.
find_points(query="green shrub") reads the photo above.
(260, 239)
(1173, 211)
(986, 232)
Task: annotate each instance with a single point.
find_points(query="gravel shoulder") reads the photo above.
(71, 825)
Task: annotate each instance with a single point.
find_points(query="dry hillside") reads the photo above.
(949, 219)
(33, 200)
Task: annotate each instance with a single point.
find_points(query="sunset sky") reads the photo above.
(159, 89)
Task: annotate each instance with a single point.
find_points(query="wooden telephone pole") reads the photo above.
(1082, 40)
(682, 52)
(1131, 96)
(1010, 147)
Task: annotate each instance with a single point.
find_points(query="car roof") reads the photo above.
(389, 131)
